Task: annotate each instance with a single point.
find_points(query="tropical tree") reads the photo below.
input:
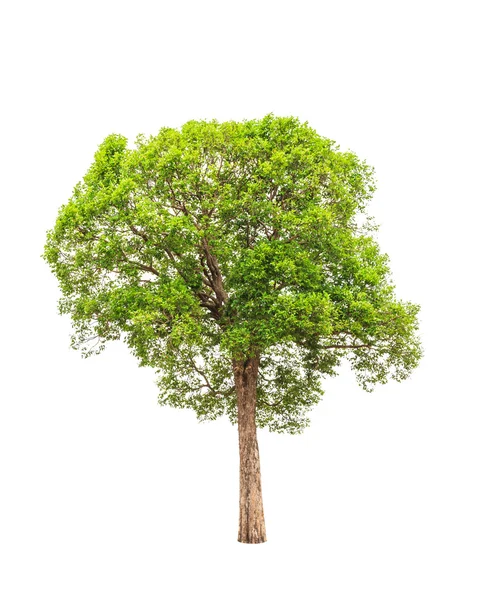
(238, 261)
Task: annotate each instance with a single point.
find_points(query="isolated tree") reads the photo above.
(237, 260)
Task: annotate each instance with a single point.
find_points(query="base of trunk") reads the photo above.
(252, 539)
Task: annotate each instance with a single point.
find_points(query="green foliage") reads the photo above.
(226, 240)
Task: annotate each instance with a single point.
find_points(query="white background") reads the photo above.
(104, 494)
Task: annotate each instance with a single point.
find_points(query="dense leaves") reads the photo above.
(222, 241)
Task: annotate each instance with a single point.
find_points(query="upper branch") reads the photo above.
(214, 276)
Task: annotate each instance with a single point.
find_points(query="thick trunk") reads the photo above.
(251, 519)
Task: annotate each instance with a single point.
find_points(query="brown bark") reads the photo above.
(251, 518)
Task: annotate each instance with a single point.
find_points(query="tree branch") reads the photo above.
(344, 346)
(141, 266)
(216, 279)
(207, 384)
(136, 231)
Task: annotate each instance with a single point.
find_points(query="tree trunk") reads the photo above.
(251, 518)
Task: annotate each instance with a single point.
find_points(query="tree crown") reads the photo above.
(223, 241)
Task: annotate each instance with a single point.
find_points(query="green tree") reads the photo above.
(238, 261)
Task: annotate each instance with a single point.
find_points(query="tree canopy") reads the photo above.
(222, 241)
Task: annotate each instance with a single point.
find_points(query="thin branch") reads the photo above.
(207, 384)
(214, 392)
(220, 167)
(141, 266)
(270, 403)
(344, 346)
(171, 190)
(138, 232)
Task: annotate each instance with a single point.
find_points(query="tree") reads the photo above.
(238, 261)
